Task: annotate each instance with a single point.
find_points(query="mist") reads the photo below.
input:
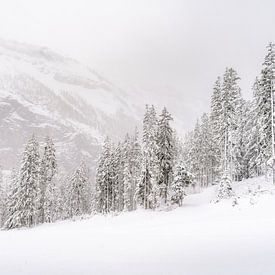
(173, 50)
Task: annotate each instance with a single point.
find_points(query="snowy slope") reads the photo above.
(46, 93)
(200, 238)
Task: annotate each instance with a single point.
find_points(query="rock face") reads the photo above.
(44, 93)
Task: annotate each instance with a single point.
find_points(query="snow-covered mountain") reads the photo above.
(45, 93)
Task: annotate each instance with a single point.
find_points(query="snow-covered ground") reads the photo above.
(199, 238)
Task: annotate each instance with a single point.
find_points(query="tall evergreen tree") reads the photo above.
(231, 97)
(48, 169)
(79, 202)
(23, 208)
(216, 125)
(147, 190)
(135, 164)
(165, 152)
(3, 198)
(263, 108)
(104, 178)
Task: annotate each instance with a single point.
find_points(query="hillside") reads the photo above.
(45, 93)
(199, 238)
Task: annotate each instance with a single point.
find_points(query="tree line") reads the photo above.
(235, 137)
(144, 172)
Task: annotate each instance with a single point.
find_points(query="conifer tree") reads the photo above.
(149, 163)
(127, 184)
(225, 190)
(23, 209)
(263, 108)
(181, 180)
(231, 97)
(165, 152)
(48, 170)
(117, 178)
(79, 192)
(104, 179)
(216, 120)
(135, 163)
(3, 198)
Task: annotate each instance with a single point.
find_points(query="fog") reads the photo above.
(173, 50)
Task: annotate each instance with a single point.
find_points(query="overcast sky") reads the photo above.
(159, 46)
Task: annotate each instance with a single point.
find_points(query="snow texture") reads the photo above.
(199, 238)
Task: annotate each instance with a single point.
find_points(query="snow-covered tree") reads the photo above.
(116, 167)
(216, 125)
(78, 197)
(135, 164)
(231, 97)
(3, 198)
(104, 178)
(127, 183)
(23, 205)
(48, 170)
(147, 192)
(224, 190)
(263, 108)
(241, 141)
(165, 153)
(50, 205)
(182, 179)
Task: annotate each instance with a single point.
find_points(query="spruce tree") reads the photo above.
(216, 126)
(181, 180)
(147, 192)
(104, 178)
(3, 198)
(79, 203)
(165, 152)
(48, 170)
(135, 164)
(231, 97)
(263, 108)
(224, 190)
(23, 208)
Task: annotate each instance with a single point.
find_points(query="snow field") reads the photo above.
(199, 238)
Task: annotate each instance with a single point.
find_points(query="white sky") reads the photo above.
(161, 46)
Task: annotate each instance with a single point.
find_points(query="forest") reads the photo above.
(152, 168)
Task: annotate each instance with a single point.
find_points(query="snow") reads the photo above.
(199, 238)
(60, 74)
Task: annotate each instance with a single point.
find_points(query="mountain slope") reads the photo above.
(200, 238)
(45, 93)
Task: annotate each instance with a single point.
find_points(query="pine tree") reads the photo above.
(50, 205)
(147, 190)
(104, 178)
(181, 180)
(127, 184)
(208, 152)
(263, 108)
(193, 155)
(253, 135)
(216, 120)
(79, 192)
(241, 141)
(3, 198)
(48, 170)
(117, 178)
(23, 209)
(165, 152)
(135, 163)
(225, 190)
(231, 97)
